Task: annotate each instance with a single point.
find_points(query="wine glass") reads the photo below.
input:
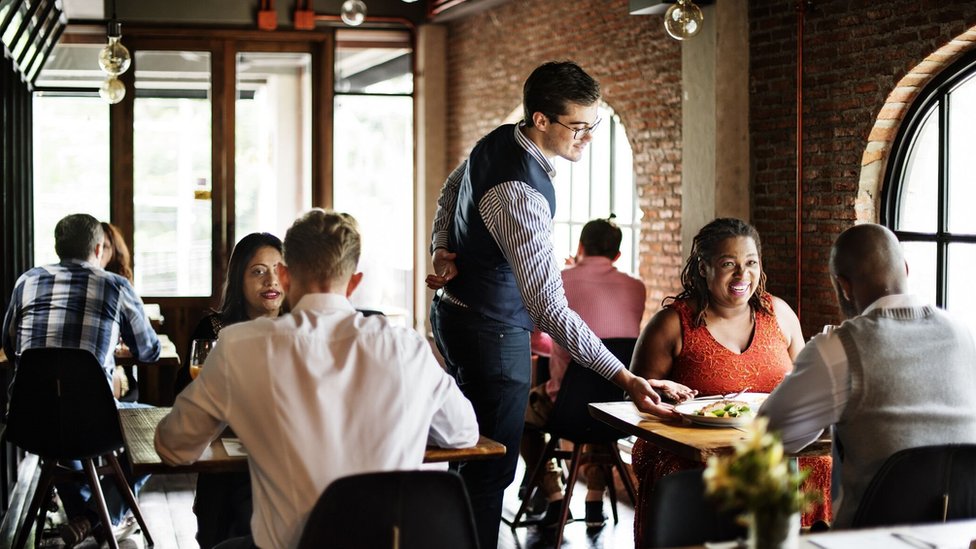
(199, 350)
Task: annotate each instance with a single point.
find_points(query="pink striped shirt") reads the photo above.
(609, 301)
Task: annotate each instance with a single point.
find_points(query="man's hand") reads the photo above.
(644, 396)
(444, 269)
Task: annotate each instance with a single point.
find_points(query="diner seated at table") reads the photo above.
(222, 502)
(77, 304)
(117, 259)
(318, 393)
(721, 334)
(898, 373)
(611, 303)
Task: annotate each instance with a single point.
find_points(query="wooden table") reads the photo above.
(139, 428)
(689, 441)
(155, 378)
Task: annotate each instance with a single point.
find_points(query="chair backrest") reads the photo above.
(918, 485)
(61, 405)
(570, 418)
(427, 509)
(680, 515)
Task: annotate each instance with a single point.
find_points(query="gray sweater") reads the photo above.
(913, 383)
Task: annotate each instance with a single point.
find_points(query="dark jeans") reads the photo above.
(491, 362)
(223, 507)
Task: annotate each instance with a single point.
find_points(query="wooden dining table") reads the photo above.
(680, 437)
(139, 428)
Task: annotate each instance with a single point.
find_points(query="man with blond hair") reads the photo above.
(320, 393)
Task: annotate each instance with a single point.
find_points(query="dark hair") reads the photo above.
(601, 237)
(121, 262)
(554, 84)
(76, 236)
(233, 307)
(703, 248)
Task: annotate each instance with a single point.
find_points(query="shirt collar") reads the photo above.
(532, 149)
(595, 261)
(894, 301)
(323, 302)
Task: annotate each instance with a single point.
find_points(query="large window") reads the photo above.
(600, 184)
(373, 162)
(171, 180)
(931, 187)
(71, 175)
(273, 167)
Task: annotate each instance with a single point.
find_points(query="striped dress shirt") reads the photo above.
(517, 216)
(76, 305)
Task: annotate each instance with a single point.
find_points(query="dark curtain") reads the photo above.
(16, 246)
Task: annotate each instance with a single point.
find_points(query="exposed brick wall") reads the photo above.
(855, 56)
(638, 68)
(855, 53)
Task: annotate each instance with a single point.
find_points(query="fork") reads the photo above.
(729, 396)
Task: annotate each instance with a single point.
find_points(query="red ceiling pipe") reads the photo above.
(801, 7)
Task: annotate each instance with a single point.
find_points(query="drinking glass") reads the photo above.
(199, 350)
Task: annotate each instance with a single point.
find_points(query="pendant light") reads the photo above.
(683, 20)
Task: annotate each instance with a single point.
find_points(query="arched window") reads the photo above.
(930, 190)
(601, 183)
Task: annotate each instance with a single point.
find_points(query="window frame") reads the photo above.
(934, 96)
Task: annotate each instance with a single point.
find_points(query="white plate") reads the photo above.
(689, 411)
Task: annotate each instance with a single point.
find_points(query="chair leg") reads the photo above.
(43, 485)
(96, 489)
(130, 498)
(568, 496)
(534, 480)
(612, 490)
(624, 475)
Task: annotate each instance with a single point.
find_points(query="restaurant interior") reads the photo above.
(801, 117)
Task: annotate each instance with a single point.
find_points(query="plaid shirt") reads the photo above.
(77, 305)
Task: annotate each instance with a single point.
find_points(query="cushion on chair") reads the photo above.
(910, 487)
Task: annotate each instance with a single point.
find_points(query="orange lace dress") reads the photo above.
(708, 366)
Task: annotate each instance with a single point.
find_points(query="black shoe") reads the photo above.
(538, 504)
(595, 517)
(553, 511)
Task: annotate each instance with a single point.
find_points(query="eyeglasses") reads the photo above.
(577, 131)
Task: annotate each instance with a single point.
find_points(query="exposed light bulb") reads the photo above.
(114, 58)
(112, 90)
(353, 12)
(683, 20)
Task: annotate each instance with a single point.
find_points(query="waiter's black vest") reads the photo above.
(485, 281)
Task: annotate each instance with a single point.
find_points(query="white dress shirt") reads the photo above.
(317, 394)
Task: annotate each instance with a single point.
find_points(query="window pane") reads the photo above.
(623, 176)
(361, 67)
(961, 298)
(921, 258)
(962, 161)
(374, 182)
(72, 66)
(579, 207)
(79, 181)
(273, 167)
(918, 207)
(172, 169)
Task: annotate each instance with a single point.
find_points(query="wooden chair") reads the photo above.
(393, 509)
(919, 485)
(571, 421)
(61, 408)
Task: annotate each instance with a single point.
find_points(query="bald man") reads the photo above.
(897, 374)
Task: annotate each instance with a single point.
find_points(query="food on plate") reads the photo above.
(726, 408)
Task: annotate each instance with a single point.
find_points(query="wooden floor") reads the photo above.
(167, 500)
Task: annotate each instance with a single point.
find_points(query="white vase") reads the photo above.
(774, 530)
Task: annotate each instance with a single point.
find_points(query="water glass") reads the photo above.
(199, 350)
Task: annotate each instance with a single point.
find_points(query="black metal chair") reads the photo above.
(394, 509)
(919, 485)
(571, 421)
(680, 515)
(61, 408)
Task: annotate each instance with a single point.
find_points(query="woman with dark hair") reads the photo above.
(723, 333)
(115, 254)
(251, 290)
